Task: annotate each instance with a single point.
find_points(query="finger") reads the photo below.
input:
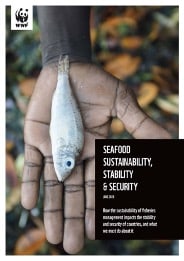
(89, 145)
(73, 240)
(137, 123)
(53, 209)
(90, 199)
(31, 177)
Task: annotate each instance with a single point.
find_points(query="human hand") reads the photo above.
(69, 207)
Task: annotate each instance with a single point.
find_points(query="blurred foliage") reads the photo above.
(139, 45)
(136, 44)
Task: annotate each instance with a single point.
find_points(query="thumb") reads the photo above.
(136, 122)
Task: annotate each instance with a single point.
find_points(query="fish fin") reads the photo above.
(63, 66)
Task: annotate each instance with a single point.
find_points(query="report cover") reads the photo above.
(93, 155)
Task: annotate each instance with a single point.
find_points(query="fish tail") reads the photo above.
(63, 66)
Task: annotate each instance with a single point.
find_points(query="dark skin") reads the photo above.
(100, 97)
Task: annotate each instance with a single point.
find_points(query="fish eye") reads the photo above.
(68, 163)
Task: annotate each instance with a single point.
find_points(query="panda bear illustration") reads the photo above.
(21, 15)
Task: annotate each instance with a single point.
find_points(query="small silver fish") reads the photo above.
(66, 126)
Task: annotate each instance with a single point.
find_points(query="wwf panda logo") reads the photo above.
(21, 16)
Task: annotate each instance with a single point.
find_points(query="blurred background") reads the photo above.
(137, 44)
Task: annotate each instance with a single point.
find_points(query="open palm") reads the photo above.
(69, 207)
